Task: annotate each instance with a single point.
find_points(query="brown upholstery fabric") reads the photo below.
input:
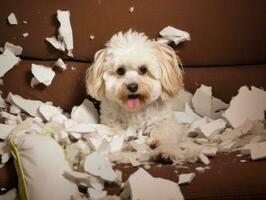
(222, 32)
(228, 178)
(66, 90)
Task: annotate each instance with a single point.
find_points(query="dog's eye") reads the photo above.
(121, 71)
(142, 70)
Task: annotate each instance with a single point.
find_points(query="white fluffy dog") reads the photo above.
(135, 78)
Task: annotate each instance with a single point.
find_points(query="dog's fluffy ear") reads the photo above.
(171, 71)
(94, 76)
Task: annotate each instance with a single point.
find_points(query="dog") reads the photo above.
(135, 79)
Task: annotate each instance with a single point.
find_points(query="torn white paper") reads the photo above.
(213, 127)
(16, 50)
(248, 104)
(25, 34)
(65, 36)
(7, 61)
(85, 113)
(97, 165)
(60, 64)
(174, 34)
(158, 188)
(186, 178)
(12, 20)
(29, 106)
(43, 74)
(258, 151)
(48, 111)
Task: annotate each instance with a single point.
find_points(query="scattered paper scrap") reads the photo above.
(258, 151)
(85, 113)
(7, 61)
(65, 36)
(92, 36)
(42, 74)
(159, 188)
(12, 19)
(25, 34)
(29, 106)
(204, 159)
(207, 105)
(248, 104)
(60, 64)
(173, 34)
(97, 165)
(131, 9)
(186, 178)
(16, 50)
(213, 127)
(48, 111)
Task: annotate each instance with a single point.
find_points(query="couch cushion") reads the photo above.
(223, 33)
(68, 87)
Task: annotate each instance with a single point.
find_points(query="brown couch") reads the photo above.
(227, 50)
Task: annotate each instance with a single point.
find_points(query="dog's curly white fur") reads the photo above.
(135, 78)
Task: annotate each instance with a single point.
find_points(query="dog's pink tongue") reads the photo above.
(133, 103)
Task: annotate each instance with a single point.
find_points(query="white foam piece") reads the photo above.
(158, 188)
(97, 165)
(7, 61)
(247, 105)
(43, 74)
(85, 113)
(56, 43)
(213, 127)
(48, 111)
(258, 151)
(60, 64)
(29, 106)
(131, 9)
(204, 159)
(5, 130)
(65, 30)
(16, 50)
(25, 34)
(96, 194)
(186, 178)
(174, 34)
(12, 20)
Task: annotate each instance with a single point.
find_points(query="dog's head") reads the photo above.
(134, 71)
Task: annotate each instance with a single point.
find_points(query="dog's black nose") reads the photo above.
(132, 87)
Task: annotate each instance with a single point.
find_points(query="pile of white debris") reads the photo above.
(210, 126)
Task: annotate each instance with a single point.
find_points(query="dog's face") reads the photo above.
(134, 71)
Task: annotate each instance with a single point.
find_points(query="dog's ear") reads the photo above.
(94, 76)
(171, 71)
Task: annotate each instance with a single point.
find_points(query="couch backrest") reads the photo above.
(222, 32)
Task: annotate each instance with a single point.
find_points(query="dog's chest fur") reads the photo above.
(143, 120)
